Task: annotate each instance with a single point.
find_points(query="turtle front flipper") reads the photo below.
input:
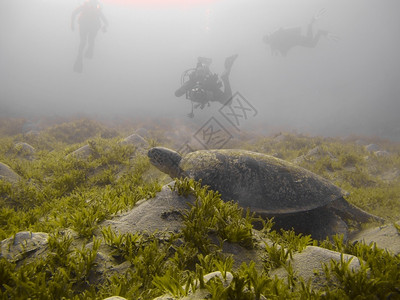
(348, 211)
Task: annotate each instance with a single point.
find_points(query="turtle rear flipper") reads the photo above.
(348, 211)
(320, 223)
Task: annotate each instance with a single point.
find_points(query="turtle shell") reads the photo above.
(260, 182)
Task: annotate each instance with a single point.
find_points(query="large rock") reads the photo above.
(162, 213)
(242, 254)
(202, 293)
(24, 244)
(24, 150)
(82, 152)
(386, 237)
(6, 173)
(136, 140)
(309, 263)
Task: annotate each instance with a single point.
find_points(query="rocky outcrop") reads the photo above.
(226, 280)
(7, 174)
(135, 140)
(82, 152)
(24, 150)
(24, 244)
(386, 237)
(161, 213)
(309, 263)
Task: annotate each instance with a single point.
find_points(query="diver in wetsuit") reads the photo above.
(284, 39)
(203, 87)
(90, 21)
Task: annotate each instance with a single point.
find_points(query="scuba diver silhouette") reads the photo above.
(90, 20)
(284, 39)
(201, 86)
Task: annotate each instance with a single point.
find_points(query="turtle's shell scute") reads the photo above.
(260, 182)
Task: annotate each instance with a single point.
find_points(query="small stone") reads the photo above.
(372, 147)
(382, 153)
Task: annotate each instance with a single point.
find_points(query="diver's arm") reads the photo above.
(185, 87)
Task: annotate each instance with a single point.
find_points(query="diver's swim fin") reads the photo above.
(229, 61)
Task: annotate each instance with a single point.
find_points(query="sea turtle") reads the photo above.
(268, 186)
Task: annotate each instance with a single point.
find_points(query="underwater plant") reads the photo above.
(60, 193)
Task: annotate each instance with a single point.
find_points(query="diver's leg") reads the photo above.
(308, 40)
(309, 29)
(311, 41)
(319, 34)
(227, 94)
(228, 65)
(78, 65)
(83, 34)
(91, 37)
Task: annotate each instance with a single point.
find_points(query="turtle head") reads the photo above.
(166, 160)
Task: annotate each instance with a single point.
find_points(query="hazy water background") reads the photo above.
(350, 86)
